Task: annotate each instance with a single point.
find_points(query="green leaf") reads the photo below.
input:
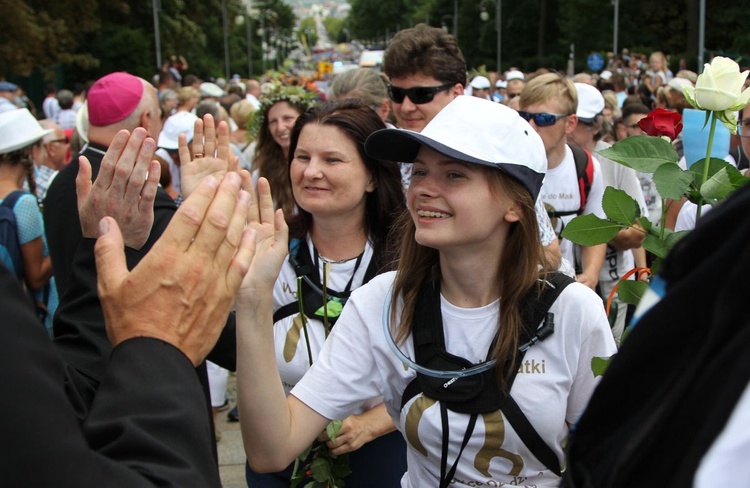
(645, 223)
(642, 153)
(599, 365)
(655, 246)
(718, 187)
(334, 309)
(631, 291)
(333, 428)
(672, 238)
(311, 484)
(656, 266)
(714, 166)
(306, 452)
(321, 470)
(590, 230)
(620, 207)
(671, 181)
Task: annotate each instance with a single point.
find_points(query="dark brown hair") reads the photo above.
(425, 50)
(386, 202)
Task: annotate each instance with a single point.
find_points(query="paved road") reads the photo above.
(231, 453)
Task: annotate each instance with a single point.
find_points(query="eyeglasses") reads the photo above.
(743, 125)
(543, 119)
(417, 94)
(64, 140)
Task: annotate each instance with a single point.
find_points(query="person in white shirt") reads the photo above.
(470, 243)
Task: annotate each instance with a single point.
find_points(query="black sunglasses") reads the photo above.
(543, 119)
(417, 94)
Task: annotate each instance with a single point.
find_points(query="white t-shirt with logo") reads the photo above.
(560, 192)
(552, 389)
(290, 339)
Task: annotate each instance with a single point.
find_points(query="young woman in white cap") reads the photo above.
(20, 141)
(482, 357)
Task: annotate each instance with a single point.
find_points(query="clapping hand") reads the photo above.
(183, 289)
(125, 188)
(211, 154)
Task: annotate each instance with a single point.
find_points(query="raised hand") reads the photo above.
(184, 288)
(271, 240)
(125, 188)
(211, 154)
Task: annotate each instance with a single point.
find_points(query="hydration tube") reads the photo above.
(435, 373)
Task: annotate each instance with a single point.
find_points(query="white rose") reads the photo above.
(719, 87)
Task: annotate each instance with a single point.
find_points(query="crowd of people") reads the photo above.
(387, 254)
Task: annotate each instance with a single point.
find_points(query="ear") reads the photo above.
(570, 124)
(458, 89)
(144, 120)
(384, 109)
(371, 185)
(513, 214)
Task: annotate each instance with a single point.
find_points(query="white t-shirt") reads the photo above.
(560, 193)
(725, 463)
(289, 337)
(553, 388)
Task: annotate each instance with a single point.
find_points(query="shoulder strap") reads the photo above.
(12, 197)
(299, 258)
(584, 172)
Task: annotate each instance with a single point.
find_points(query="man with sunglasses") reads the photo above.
(549, 102)
(427, 71)
(624, 251)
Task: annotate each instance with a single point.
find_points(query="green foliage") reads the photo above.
(619, 207)
(631, 291)
(307, 32)
(599, 365)
(590, 230)
(334, 27)
(642, 153)
(317, 462)
(671, 181)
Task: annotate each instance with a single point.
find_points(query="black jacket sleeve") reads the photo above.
(148, 424)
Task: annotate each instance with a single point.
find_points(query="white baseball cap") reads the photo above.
(514, 75)
(480, 83)
(18, 129)
(590, 102)
(179, 123)
(471, 130)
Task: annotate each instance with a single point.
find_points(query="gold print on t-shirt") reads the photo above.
(411, 426)
(292, 339)
(494, 436)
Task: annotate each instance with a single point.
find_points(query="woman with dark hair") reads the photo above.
(482, 357)
(20, 143)
(279, 109)
(347, 203)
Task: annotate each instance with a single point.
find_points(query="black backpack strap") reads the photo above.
(584, 172)
(535, 307)
(529, 436)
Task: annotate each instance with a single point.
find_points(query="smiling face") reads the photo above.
(454, 208)
(281, 118)
(328, 175)
(414, 116)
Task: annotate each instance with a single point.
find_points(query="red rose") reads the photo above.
(661, 122)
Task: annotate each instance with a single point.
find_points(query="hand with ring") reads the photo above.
(211, 154)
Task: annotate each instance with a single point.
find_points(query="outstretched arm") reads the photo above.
(275, 428)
